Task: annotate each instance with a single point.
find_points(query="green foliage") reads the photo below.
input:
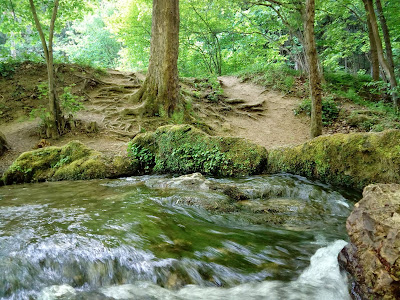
(63, 161)
(42, 113)
(276, 76)
(193, 158)
(343, 81)
(216, 89)
(43, 90)
(178, 117)
(16, 22)
(184, 149)
(143, 155)
(90, 43)
(70, 103)
(330, 110)
(8, 67)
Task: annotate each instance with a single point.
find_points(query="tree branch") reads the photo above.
(39, 29)
(52, 23)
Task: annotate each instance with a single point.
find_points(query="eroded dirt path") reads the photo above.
(269, 120)
(247, 110)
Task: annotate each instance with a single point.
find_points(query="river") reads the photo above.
(146, 238)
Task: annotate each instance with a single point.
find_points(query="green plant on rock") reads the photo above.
(185, 149)
(63, 161)
(143, 155)
(189, 158)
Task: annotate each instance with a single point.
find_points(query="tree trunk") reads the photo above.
(374, 53)
(54, 126)
(160, 89)
(386, 35)
(314, 74)
(368, 4)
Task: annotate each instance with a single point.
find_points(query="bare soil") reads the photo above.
(246, 110)
(267, 118)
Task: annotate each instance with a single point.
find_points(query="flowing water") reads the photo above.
(146, 238)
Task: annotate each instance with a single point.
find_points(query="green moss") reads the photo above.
(353, 160)
(73, 161)
(123, 166)
(184, 149)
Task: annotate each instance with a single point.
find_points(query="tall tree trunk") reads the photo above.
(386, 35)
(314, 74)
(368, 4)
(54, 123)
(374, 52)
(160, 89)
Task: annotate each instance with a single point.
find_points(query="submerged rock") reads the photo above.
(183, 149)
(73, 161)
(58, 292)
(195, 181)
(3, 144)
(373, 256)
(353, 160)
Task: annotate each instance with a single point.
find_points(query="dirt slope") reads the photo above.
(247, 110)
(273, 123)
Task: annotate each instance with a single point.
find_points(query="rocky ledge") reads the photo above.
(73, 161)
(373, 255)
(353, 160)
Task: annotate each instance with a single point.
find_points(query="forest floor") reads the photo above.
(276, 125)
(244, 110)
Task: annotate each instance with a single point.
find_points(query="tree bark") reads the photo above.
(54, 123)
(160, 89)
(374, 53)
(386, 34)
(368, 4)
(314, 74)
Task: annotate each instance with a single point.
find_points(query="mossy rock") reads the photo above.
(353, 160)
(183, 149)
(73, 161)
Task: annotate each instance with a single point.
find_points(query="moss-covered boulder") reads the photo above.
(353, 160)
(73, 161)
(183, 149)
(3, 144)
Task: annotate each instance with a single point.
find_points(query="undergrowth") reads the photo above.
(330, 110)
(276, 76)
(338, 88)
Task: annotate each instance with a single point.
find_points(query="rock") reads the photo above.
(183, 149)
(73, 161)
(353, 160)
(3, 144)
(61, 292)
(373, 255)
(233, 192)
(195, 181)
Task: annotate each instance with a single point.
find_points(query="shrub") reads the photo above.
(330, 110)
